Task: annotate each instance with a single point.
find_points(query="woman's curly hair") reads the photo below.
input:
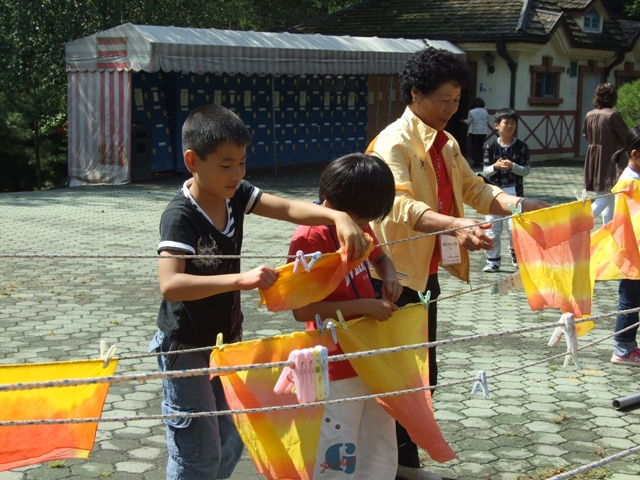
(606, 96)
(427, 69)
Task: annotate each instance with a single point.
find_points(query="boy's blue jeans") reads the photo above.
(629, 297)
(199, 448)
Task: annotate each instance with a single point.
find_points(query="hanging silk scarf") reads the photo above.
(283, 444)
(615, 253)
(296, 290)
(552, 246)
(29, 444)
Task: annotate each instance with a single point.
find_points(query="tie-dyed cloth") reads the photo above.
(283, 444)
(615, 248)
(296, 290)
(29, 444)
(552, 246)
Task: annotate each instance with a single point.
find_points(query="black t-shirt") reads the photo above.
(184, 226)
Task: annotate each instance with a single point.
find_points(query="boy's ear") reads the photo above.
(190, 158)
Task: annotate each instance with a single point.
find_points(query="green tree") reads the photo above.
(629, 103)
(32, 38)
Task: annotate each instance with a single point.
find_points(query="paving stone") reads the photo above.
(532, 416)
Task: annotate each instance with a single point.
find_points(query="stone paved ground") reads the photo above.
(59, 309)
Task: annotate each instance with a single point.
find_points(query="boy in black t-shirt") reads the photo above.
(506, 162)
(202, 296)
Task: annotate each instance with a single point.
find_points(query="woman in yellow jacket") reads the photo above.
(433, 181)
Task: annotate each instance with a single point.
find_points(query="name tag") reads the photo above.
(509, 190)
(449, 250)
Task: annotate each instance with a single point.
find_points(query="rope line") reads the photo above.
(595, 464)
(257, 366)
(132, 256)
(294, 406)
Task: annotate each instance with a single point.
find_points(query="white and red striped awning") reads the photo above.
(150, 48)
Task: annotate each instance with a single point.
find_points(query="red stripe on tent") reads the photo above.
(111, 40)
(113, 65)
(123, 114)
(112, 53)
(112, 114)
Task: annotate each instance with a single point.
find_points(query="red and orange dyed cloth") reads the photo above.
(297, 290)
(283, 443)
(26, 445)
(552, 246)
(615, 248)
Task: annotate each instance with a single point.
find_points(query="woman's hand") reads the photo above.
(351, 237)
(474, 237)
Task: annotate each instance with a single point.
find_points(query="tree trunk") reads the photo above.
(36, 148)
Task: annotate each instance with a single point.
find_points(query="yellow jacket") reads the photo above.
(403, 145)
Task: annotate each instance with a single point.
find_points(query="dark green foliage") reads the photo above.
(629, 103)
(33, 83)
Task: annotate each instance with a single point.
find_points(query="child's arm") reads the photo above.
(307, 213)
(391, 287)
(176, 285)
(378, 309)
(489, 163)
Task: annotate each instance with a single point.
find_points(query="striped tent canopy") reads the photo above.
(100, 69)
(151, 48)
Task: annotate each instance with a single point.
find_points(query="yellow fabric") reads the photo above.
(403, 145)
(615, 248)
(552, 246)
(296, 290)
(30, 444)
(283, 444)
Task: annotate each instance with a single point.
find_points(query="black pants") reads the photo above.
(407, 450)
(477, 144)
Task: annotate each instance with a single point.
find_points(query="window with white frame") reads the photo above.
(591, 22)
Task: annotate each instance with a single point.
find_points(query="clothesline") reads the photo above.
(193, 257)
(257, 366)
(306, 405)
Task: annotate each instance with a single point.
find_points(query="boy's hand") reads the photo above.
(262, 277)
(391, 289)
(351, 237)
(503, 164)
(380, 309)
(531, 204)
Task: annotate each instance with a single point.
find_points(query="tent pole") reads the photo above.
(273, 124)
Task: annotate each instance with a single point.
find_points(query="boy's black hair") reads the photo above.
(359, 184)
(428, 69)
(631, 142)
(209, 126)
(508, 113)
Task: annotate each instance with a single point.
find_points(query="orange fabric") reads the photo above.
(552, 246)
(296, 290)
(26, 445)
(615, 248)
(283, 444)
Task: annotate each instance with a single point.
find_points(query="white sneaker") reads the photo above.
(491, 268)
(409, 473)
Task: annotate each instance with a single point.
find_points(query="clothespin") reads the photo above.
(106, 355)
(219, 342)
(425, 298)
(286, 381)
(517, 210)
(314, 257)
(568, 330)
(300, 259)
(341, 320)
(481, 382)
(323, 325)
(510, 283)
(581, 196)
(321, 371)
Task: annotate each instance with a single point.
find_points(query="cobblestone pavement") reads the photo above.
(59, 309)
